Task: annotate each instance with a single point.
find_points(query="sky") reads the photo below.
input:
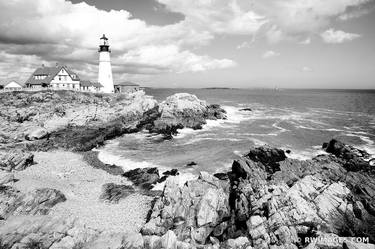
(196, 43)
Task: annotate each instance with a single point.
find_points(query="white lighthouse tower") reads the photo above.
(105, 68)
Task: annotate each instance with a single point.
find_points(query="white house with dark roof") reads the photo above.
(54, 77)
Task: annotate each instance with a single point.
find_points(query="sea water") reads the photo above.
(297, 120)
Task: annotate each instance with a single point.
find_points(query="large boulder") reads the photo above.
(36, 133)
(184, 110)
(192, 211)
(15, 160)
(354, 159)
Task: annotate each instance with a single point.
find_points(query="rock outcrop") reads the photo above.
(79, 121)
(145, 178)
(352, 158)
(15, 160)
(184, 110)
(267, 201)
(39, 201)
(192, 212)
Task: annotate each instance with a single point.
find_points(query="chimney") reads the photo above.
(57, 64)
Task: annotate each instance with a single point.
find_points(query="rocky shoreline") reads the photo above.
(266, 200)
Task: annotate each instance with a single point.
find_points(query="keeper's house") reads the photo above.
(127, 86)
(11, 86)
(54, 77)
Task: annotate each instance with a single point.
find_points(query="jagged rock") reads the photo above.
(6, 178)
(246, 109)
(36, 133)
(191, 211)
(15, 160)
(35, 202)
(113, 192)
(269, 157)
(169, 240)
(115, 241)
(238, 243)
(214, 111)
(40, 231)
(172, 172)
(143, 177)
(191, 164)
(354, 158)
(152, 242)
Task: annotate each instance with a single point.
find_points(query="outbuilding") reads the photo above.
(126, 87)
(12, 86)
(87, 85)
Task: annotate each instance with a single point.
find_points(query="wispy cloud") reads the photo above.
(338, 36)
(269, 54)
(306, 69)
(244, 44)
(307, 41)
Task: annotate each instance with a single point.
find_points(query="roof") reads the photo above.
(50, 72)
(5, 83)
(126, 83)
(89, 83)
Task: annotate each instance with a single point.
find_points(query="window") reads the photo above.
(59, 78)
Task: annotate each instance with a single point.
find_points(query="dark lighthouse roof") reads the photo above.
(104, 38)
(104, 46)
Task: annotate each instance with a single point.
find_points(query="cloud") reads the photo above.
(307, 41)
(244, 44)
(270, 54)
(57, 30)
(218, 16)
(295, 19)
(170, 58)
(338, 36)
(357, 12)
(306, 69)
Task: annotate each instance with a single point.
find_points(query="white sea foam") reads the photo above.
(126, 164)
(306, 154)
(181, 179)
(369, 146)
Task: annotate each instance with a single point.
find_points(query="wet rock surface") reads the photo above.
(145, 178)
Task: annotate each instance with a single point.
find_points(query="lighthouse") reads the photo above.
(105, 68)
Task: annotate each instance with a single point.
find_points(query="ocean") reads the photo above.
(297, 120)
